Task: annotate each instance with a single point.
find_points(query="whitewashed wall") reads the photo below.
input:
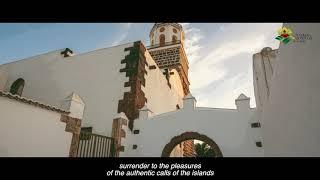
(229, 128)
(160, 97)
(29, 131)
(3, 79)
(94, 76)
(290, 122)
(176, 83)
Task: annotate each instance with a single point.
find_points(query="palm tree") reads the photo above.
(204, 150)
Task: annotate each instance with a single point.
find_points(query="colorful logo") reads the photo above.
(285, 35)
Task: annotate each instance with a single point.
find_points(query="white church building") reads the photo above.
(134, 101)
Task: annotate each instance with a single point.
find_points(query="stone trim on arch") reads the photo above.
(187, 136)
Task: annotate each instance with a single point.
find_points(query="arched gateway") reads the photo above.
(189, 136)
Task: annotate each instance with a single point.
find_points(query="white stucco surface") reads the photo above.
(3, 79)
(160, 97)
(229, 128)
(94, 76)
(29, 131)
(290, 120)
(176, 83)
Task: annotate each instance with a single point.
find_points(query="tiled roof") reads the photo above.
(32, 102)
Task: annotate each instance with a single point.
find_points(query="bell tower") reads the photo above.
(167, 49)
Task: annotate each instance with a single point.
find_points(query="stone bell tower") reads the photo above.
(167, 49)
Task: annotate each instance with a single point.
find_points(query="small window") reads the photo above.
(17, 87)
(86, 129)
(255, 125)
(177, 106)
(162, 29)
(259, 144)
(162, 39)
(85, 133)
(174, 30)
(166, 71)
(174, 39)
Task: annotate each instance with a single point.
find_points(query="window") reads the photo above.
(174, 30)
(162, 39)
(86, 129)
(134, 146)
(255, 125)
(17, 87)
(177, 106)
(85, 133)
(259, 144)
(162, 29)
(165, 72)
(174, 39)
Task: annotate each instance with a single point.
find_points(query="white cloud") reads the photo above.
(225, 94)
(120, 39)
(222, 96)
(210, 67)
(231, 48)
(192, 42)
(124, 35)
(202, 76)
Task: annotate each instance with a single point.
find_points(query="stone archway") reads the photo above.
(187, 136)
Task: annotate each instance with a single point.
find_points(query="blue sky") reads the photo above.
(220, 54)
